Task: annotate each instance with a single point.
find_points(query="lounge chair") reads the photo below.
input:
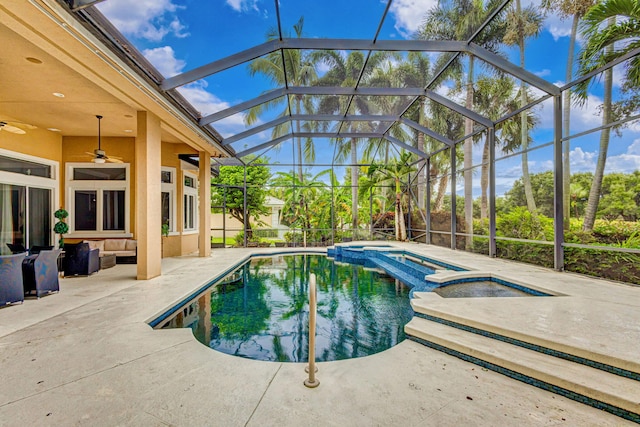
(41, 273)
(80, 260)
(11, 288)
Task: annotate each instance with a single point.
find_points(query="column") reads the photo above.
(204, 193)
(148, 189)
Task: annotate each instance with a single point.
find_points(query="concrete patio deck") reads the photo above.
(86, 356)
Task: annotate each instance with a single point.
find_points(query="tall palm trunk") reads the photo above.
(300, 175)
(566, 128)
(468, 162)
(299, 140)
(421, 145)
(484, 180)
(401, 229)
(596, 185)
(442, 188)
(354, 185)
(524, 126)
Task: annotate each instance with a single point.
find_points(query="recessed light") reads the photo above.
(33, 60)
(128, 130)
(58, 94)
(54, 130)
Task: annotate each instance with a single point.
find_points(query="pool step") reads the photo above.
(607, 362)
(613, 393)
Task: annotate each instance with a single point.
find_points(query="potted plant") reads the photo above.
(165, 233)
(61, 226)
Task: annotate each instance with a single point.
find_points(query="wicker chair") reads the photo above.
(41, 273)
(11, 288)
(80, 260)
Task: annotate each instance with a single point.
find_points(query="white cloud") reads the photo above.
(163, 58)
(557, 27)
(628, 162)
(207, 103)
(147, 19)
(243, 5)
(582, 161)
(409, 14)
(543, 73)
(584, 117)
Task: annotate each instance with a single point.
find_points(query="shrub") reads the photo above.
(384, 220)
(612, 265)
(239, 239)
(293, 237)
(522, 224)
(614, 232)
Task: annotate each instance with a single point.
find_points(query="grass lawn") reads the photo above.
(229, 240)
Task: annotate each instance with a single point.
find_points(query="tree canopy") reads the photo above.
(228, 188)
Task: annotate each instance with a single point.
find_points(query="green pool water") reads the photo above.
(262, 312)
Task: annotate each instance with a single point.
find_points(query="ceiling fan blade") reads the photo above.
(16, 127)
(90, 154)
(11, 129)
(113, 160)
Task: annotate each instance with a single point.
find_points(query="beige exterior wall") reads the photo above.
(37, 142)
(189, 244)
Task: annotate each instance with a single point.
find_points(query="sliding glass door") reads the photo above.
(25, 216)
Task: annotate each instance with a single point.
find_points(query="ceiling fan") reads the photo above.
(99, 156)
(15, 127)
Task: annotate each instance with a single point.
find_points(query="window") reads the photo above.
(168, 198)
(99, 199)
(190, 201)
(25, 167)
(28, 194)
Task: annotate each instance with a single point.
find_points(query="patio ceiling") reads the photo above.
(45, 53)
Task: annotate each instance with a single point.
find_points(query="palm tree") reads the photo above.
(298, 196)
(598, 51)
(300, 71)
(415, 71)
(496, 98)
(523, 23)
(457, 20)
(576, 10)
(451, 125)
(345, 71)
(394, 172)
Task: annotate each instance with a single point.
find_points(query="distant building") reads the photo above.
(267, 222)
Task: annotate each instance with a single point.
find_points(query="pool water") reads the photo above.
(479, 289)
(261, 312)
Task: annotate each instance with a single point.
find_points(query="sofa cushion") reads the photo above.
(95, 244)
(115, 244)
(131, 245)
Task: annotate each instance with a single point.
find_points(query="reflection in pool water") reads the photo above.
(262, 312)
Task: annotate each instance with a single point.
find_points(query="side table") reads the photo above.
(107, 261)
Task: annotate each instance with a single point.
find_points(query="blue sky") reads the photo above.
(179, 35)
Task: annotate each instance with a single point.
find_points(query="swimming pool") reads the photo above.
(260, 311)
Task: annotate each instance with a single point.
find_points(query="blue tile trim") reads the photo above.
(540, 349)
(620, 412)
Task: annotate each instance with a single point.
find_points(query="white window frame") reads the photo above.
(99, 186)
(190, 192)
(30, 181)
(170, 187)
